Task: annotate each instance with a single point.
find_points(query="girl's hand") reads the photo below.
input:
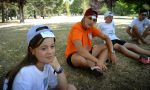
(55, 64)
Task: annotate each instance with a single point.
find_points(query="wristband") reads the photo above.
(60, 70)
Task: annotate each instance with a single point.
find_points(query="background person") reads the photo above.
(139, 29)
(128, 49)
(40, 68)
(79, 51)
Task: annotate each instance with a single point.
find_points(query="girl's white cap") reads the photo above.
(45, 31)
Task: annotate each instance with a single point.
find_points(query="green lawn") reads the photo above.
(127, 74)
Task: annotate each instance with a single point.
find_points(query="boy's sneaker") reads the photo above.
(144, 60)
(96, 71)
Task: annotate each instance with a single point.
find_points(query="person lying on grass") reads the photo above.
(128, 49)
(40, 69)
(79, 51)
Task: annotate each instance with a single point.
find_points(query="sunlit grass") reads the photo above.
(127, 74)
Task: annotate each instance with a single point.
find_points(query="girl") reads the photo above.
(40, 69)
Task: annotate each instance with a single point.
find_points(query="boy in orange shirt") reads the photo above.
(79, 50)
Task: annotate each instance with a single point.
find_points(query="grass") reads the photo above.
(127, 74)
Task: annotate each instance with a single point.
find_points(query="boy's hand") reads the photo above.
(101, 65)
(113, 58)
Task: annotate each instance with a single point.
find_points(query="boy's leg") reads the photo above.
(129, 31)
(79, 61)
(126, 52)
(146, 32)
(97, 49)
(135, 34)
(101, 52)
(103, 56)
(136, 49)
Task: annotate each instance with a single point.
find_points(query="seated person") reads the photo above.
(79, 51)
(139, 29)
(128, 49)
(40, 68)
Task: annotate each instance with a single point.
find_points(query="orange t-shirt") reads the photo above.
(78, 33)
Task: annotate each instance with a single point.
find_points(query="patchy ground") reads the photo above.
(127, 74)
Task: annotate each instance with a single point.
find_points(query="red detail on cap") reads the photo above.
(90, 12)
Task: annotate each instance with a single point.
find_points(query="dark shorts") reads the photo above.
(69, 59)
(120, 42)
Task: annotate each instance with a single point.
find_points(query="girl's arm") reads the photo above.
(62, 81)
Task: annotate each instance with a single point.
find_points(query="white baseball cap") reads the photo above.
(109, 13)
(45, 32)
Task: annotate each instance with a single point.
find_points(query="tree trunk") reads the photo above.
(85, 5)
(21, 12)
(110, 5)
(67, 8)
(34, 14)
(3, 16)
(96, 4)
(6, 14)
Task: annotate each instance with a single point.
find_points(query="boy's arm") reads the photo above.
(109, 45)
(83, 52)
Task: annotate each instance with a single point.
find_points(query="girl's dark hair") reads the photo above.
(28, 60)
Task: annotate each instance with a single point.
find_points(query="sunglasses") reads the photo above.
(94, 20)
(144, 14)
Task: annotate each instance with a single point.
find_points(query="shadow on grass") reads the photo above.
(127, 74)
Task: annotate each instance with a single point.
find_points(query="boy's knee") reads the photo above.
(134, 27)
(117, 46)
(128, 31)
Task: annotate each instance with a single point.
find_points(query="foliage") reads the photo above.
(58, 7)
(28, 10)
(110, 4)
(76, 8)
(103, 9)
(85, 5)
(122, 8)
(45, 7)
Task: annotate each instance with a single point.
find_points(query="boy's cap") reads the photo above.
(39, 29)
(91, 12)
(109, 13)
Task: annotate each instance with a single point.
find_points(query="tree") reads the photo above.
(110, 4)
(85, 5)
(2, 8)
(74, 9)
(139, 3)
(21, 4)
(67, 6)
(96, 4)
